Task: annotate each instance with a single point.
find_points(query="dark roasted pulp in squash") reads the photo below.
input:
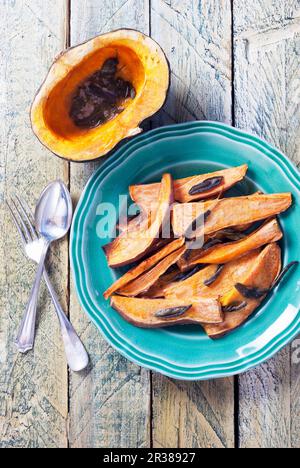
(99, 98)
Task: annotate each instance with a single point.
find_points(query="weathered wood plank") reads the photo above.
(33, 388)
(192, 414)
(295, 392)
(267, 103)
(196, 37)
(110, 402)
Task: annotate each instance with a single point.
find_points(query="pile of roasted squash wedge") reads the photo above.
(200, 257)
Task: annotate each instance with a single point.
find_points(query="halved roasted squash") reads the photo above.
(141, 62)
(224, 253)
(144, 282)
(192, 188)
(143, 267)
(228, 212)
(134, 244)
(262, 275)
(155, 313)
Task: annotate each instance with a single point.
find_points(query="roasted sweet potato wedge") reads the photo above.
(224, 253)
(267, 266)
(156, 313)
(143, 267)
(193, 188)
(125, 224)
(197, 187)
(228, 212)
(144, 282)
(262, 275)
(157, 290)
(232, 273)
(134, 244)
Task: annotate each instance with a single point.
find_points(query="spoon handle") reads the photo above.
(76, 354)
(26, 335)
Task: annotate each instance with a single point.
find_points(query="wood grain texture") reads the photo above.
(110, 402)
(196, 37)
(33, 388)
(267, 81)
(267, 103)
(295, 392)
(192, 414)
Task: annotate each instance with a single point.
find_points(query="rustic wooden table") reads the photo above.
(233, 61)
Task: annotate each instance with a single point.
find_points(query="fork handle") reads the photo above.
(26, 335)
(76, 354)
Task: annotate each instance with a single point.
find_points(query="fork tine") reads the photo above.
(14, 218)
(28, 216)
(22, 223)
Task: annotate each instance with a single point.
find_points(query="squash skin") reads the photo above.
(79, 145)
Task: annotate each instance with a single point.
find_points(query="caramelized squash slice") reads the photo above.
(144, 282)
(157, 290)
(232, 273)
(228, 212)
(262, 275)
(146, 195)
(156, 313)
(143, 267)
(224, 253)
(267, 266)
(126, 224)
(132, 245)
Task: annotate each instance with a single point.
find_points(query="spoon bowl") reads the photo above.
(53, 213)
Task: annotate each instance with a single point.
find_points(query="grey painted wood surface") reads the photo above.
(115, 403)
(33, 388)
(267, 103)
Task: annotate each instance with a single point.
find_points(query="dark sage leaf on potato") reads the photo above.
(251, 292)
(195, 225)
(206, 185)
(172, 312)
(235, 307)
(211, 243)
(256, 293)
(184, 276)
(214, 278)
(232, 235)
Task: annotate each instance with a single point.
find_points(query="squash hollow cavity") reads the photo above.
(141, 62)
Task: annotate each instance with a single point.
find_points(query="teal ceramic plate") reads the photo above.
(187, 149)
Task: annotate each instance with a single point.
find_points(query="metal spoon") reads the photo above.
(53, 217)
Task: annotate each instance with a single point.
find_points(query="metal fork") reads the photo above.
(22, 216)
